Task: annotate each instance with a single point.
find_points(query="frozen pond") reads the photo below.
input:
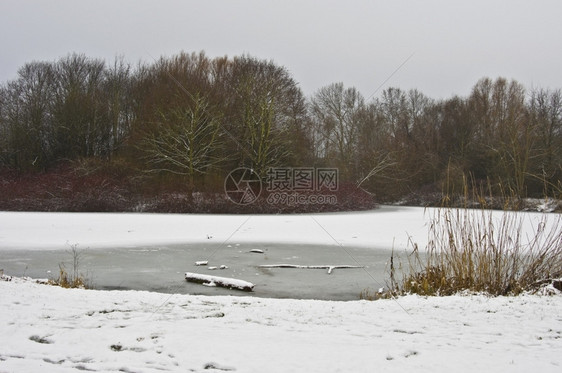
(162, 268)
(153, 251)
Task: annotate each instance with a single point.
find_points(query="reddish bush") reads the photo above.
(98, 187)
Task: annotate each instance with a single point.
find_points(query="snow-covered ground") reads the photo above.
(50, 329)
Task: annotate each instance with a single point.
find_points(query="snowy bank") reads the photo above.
(46, 328)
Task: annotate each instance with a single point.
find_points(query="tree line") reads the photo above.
(199, 117)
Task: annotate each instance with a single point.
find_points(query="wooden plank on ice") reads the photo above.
(225, 282)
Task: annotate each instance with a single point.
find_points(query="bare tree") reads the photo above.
(5, 148)
(545, 109)
(186, 141)
(512, 141)
(394, 107)
(265, 112)
(79, 112)
(337, 114)
(117, 91)
(26, 117)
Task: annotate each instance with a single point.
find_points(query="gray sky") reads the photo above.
(360, 43)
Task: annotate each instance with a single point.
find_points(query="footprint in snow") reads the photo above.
(216, 366)
(38, 339)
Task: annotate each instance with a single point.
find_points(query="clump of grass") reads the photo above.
(485, 251)
(73, 279)
(370, 294)
(67, 280)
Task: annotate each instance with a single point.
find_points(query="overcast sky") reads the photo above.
(360, 43)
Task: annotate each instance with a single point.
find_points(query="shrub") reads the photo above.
(90, 185)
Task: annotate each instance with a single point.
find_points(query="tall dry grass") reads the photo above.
(496, 252)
